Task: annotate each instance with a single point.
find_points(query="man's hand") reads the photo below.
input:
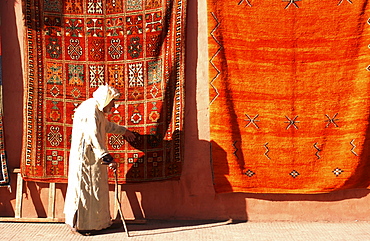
(107, 159)
(113, 166)
(130, 137)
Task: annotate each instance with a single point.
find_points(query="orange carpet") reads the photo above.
(289, 95)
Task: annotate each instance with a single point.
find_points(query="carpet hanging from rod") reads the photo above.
(289, 95)
(72, 47)
(4, 170)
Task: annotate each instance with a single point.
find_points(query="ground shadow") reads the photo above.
(162, 226)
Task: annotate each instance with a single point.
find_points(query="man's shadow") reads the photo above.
(232, 214)
(149, 166)
(195, 158)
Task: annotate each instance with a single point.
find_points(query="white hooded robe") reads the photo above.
(87, 201)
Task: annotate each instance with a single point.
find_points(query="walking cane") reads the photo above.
(119, 203)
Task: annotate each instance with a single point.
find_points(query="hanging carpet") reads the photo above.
(289, 95)
(72, 47)
(4, 170)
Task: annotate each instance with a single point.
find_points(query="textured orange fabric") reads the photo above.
(289, 95)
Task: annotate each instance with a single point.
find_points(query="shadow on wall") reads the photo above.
(193, 196)
(190, 198)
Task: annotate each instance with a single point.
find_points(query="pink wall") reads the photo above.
(193, 196)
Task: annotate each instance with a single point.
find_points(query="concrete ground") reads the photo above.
(196, 230)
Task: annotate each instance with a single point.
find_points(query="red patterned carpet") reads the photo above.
(73, 46)
(4, 172)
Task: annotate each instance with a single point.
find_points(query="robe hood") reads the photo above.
(105, 94)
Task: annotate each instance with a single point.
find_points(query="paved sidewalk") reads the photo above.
(196, 230)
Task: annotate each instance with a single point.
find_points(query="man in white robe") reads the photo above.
(87, 202)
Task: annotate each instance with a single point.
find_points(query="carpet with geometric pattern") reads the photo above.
(72, 47)
(4, 170)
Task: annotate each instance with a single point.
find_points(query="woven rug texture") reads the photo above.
(72, 47)
(289, 95)
(4, 170)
